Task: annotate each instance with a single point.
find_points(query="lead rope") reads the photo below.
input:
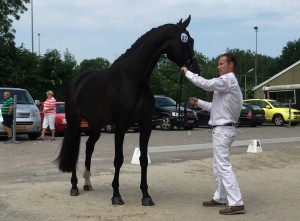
(179, 95)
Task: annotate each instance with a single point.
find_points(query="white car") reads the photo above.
(28, 120)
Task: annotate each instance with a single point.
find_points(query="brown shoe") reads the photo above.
(231, 210)
(212, 203)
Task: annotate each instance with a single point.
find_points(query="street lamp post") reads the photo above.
(245, 90)
(255, 77)
(39, 44)
(32, 26)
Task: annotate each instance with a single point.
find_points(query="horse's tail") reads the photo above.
(69, 150)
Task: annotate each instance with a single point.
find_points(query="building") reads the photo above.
(284, 86)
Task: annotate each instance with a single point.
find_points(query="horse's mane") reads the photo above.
(138, 42)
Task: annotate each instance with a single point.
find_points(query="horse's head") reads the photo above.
(180, 48)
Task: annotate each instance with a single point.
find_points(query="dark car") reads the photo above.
(168, 115)
(203, 116)
(252, 115)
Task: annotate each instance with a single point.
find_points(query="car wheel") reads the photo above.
(109, 128)
(33, 136)
(278, 120)
(166, 124)
(294, 124)
(253, 125)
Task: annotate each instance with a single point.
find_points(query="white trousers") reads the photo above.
(49, 120)
(227, 187)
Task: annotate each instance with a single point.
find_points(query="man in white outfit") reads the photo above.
(225, 110)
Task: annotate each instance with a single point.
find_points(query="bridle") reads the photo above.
(190, 63)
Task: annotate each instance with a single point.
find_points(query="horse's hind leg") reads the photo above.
(90, 145)
(74, 190)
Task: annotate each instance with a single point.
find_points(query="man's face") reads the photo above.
(5, 95)
(223, 66)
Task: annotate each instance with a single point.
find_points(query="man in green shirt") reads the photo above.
(7, 110)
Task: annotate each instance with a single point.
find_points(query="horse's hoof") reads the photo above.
(147, 202)
(88, 187)
(74, 192)
(117, 201)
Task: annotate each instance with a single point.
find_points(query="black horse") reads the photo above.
(121, 95)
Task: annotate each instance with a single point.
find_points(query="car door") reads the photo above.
(267, 108)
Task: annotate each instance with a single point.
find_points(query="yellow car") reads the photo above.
(276, 112)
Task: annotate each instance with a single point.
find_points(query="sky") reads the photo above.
(107, 28)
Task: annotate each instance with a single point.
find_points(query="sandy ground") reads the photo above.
(269, 182)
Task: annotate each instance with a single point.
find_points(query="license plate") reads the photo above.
(21, 128)
(84, 125)
(191, 121)
(258, 115)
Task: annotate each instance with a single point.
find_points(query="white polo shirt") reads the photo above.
(227, 99)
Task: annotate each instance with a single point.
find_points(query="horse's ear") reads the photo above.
(180, 22)
(187, 22)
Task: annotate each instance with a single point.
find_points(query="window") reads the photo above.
(283, 96)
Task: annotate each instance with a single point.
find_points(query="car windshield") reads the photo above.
(277, 104)
(244, 107)
(165, 101)
(255, 107)
(60, 108)
(22, 96)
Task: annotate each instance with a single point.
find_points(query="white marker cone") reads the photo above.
(254, 147)
(136, 156)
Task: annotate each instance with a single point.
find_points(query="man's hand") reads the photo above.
(184, 69)
(193, 100)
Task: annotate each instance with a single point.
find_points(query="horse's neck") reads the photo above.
(141, 60)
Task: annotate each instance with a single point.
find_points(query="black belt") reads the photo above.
(228, 124)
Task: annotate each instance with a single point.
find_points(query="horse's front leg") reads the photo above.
(145, 132)
(90, 145)
(118, 162)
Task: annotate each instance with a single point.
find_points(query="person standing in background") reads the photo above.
(49, 110)
(7, 111)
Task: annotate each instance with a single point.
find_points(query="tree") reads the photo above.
(9, 54)
(56, 73)
(166, 76)
(10, 9)
(290, 54)
(93, 64)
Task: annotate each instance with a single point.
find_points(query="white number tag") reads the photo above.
(184, 37)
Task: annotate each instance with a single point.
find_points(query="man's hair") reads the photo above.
(230, 58)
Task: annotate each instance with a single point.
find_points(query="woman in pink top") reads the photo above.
(49, 110)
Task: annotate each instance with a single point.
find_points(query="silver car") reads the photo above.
(28, 120)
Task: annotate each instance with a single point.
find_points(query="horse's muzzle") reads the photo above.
(192, 65)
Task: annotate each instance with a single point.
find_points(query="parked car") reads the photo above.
(252, 115)
(203, 116)
(28, 119)
(276, 112)
(60, 119)
(167, 114)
